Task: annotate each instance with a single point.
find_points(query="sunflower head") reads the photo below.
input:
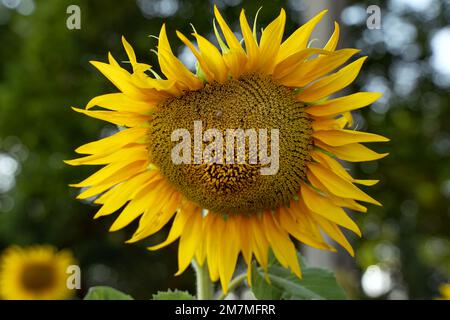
(444, 290)
(34, 273)
(277, 96)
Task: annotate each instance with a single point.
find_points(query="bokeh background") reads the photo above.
(44, 70)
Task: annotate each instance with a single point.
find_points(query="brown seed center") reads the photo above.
(38, 276)
(253, 103)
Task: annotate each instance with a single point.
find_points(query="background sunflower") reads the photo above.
(35, 273)
(404, 253)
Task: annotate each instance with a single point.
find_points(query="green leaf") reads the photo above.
(106, 293)
(173, 295)
(261, 289)
(316, 283)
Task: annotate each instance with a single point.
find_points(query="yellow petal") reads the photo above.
(348, 116)
(337, 185)
(354, 152)
(124, 81)
(231, 39)
(130, 52)
(288, 223)
(200, 253)
(149, 196)
(250, 44)
(311, 70)
(113, 62)
(156, 216)
(108, 171)
(331, 163)
(205, 68)
(323, 65)
(117, 197)
(368, 183)
(121, 102)
(234, 62)
(137, 152)
(306, 218)
(332, 42)
(121, 175)
(299, 39)
(214, 225)
(338, 201)
(189, 240)
(270, 43)
(346, 203)
(172, 68)
(283, 248)
(155, 89)
(249, 274)
(296, 61)
(328, 124)
(332, 83)
(339, 105)
(120, 78)
(341, 137)
(322, 206)
(213, 59)
(176, 230)
(245, 237)
(234, 58)
(138, 68)
(113, 142)
(125, 119)
(335, 233)
(260, 244)
(146, 177)
(229, 251)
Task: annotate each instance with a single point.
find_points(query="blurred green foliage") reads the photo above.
(409, 235)
(44, 70)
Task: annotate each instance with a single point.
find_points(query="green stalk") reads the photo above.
(204, 284)
(233, 285)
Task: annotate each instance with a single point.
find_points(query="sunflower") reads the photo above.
(222, 210)
(444, 290)
(34, 273)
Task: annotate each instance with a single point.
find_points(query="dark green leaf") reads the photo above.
(316, 283)
(261, 288)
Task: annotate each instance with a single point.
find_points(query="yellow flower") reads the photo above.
(34, 273)
(444, 289)
(223, 209)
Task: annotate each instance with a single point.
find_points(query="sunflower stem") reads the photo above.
(204, 284)
(233, 285)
